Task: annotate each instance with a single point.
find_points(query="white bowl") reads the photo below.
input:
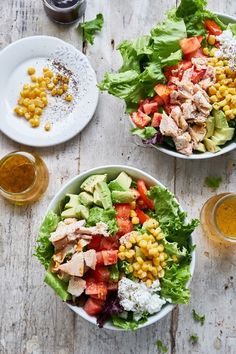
(73, 186)
(205, 155)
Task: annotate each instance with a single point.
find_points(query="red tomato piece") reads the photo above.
(112, 286)
(142, 103)
(140, 119)
(156, 120)
(197, 54)
(101, 273)
(163, 91)
(93, 306)
(143, 194)
(149, 108)
(159, 100)
(197, 76)
(212, 27)
(124, 226)
(110, 243)
(123, 210)
(95, 242)
(99, 258)
(95, 287)
(141, 215)
(141, 204)
(110, 257)
(189, 45)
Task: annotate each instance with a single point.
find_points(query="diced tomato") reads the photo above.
(112, 286)
(93, 307)
(200, 38)
(168, 108)
(212, 27)
(140, 119)
(141, 204)
(197, 54)
(110, 243)
(143, 194)
(110, 257)
(189, 45)
(172, 86)
(142, 103)
(149, 108)
(99, 258)
(163, 91)
(95, 242)
(101, 273)
(197, 76)
(158, 100)
(141, 215)
(156, 120)
(123, 210)
(94, 287)
(124, 226)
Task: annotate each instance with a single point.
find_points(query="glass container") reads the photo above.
(65, 11)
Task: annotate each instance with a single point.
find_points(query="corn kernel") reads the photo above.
(131, 269)
(213, 98)
(27, 115)
(159, 268)
(220, 63)
(65, 87)
(68, 98)
(136, 266)
(153, 252)
(133, 213)
(60, 92)
(161, 274)
(143, 275)
(228, 97)
(129, 254)
(140, 260)
(160, 236)
(163, 264)
(121, 255)
(31, 71)
(132, 239)
(160, 248)
(212, 90)
(156, 261)
(31, 107)
(65, 79)
(122, 248)
(48, 74)
(135, 220)
(45, 101)
(205, 51)
(175, 258)
(145, 267)
(217, 85)
(143, 243)
(50, 86)
(211, 39)
(162, 257)
(128, 245)
(150, 276)
(133, 205)
(148, 283)
(47, 127)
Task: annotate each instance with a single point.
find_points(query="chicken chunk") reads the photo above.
(188, 108)
(197, 132)
(64, 230)
(168, 126)
(100, 229)
(76, 286)
(183, 143)
(201, 102)
(90, 258)
(176, 114)
(75, 266)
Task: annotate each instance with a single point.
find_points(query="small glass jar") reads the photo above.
(23, 177)
(65, 11)
(218, 218)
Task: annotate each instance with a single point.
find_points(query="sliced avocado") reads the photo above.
(121, 183)
(210, 125)
(104, 194)
(224, 133)
(200, 147)
(73, 201)
(97, 198)
(89, 184)
(86, 199)
(138, 252)
(220, 119)
(80, 212)
(123, 197)
(210, 145)
(218, 139)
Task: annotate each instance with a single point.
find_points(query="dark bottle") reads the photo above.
(64, 11)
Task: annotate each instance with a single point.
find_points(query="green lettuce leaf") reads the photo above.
(146, 133)
(172, 59)
(114, 272)
(189, 7)
(171, 248)
(129, 56)
(173, 285)
(97, 215)
(166, 37)
(153, 74)
(232, 28)
(44, 249)
(171, 218)
(126, 323)
(90, 28)
(58, 285)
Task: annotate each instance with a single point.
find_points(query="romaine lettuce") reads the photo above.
(97, 215)
(58, 285)
(44, 249)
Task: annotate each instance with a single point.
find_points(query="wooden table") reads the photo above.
(32, 318)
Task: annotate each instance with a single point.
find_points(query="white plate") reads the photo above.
(67, 119)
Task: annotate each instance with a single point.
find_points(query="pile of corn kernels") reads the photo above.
(145, 253)
(34, 96)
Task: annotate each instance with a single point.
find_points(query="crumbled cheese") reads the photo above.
(138, 298)
(227, 48)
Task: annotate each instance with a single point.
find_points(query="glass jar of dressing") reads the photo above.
(218, 218)
(23, 177)
(64, 11)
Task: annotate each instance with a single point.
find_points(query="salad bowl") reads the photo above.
(74, 186)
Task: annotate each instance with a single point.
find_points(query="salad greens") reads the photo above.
(199, 318)
(146, 133)
(97, 214)
(59, 286)
(90, 28)
(44, 250)
(128, 324)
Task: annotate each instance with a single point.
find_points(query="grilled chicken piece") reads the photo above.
(90, 258)
(176, 114)
(64, 230)
(200, 63)
(76, 286)
(187, 75)
(60, 256)
(188, 108)
(183, 125)
(69, 221)
(75, 266)
(197, 132)
(201, 102)
(168, 127)
(99, 229)
(183, 143)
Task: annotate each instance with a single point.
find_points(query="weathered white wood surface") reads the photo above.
(32, 318)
